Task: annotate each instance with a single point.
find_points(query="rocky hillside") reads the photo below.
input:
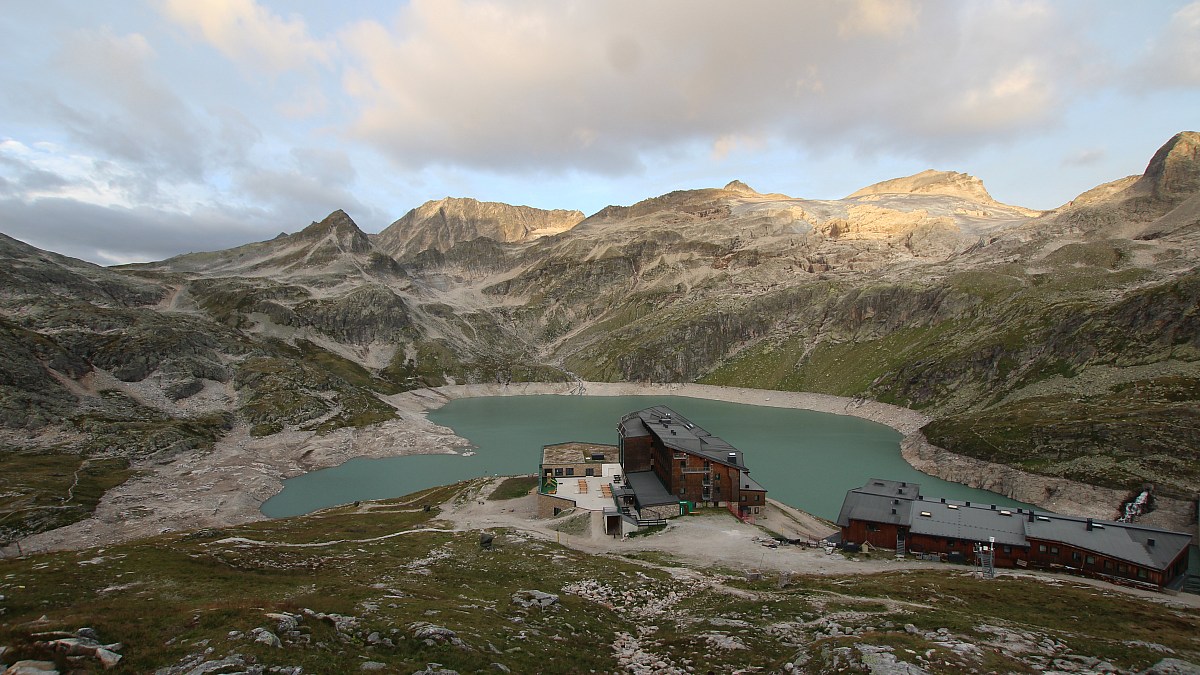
(439, 225)
(392, 587)
(1066, 342)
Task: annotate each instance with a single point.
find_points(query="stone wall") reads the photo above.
(663, 511)
(547, 504)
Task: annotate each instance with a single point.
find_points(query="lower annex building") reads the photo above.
(895, 515)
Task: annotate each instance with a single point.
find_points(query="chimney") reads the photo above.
(893, 512)
(1089, 524)
(943, 500)
(993, 507)
(968, 503)
(1031, 515)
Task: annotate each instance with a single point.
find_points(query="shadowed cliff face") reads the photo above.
(1065, 342)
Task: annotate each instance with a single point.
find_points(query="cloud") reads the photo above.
(119, 107)
(602, 86)
(1172, 60)
(115, 234)
(251, 35)
(1086, 157)
(318, 181)
(879, 18)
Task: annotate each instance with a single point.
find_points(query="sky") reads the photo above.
(134, 130)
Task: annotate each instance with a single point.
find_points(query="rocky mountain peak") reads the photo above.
(1174, 171)
(931, 182)
(441, 223)
(740, 187)
(340, 226)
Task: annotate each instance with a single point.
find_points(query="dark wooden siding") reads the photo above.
(882, 535)
(635, 453)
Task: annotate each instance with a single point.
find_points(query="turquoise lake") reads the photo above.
(805, 459)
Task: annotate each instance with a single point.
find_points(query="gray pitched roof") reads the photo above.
(678, 433)
(749, 483)
(875, 509)
(958, 521)
(1126, 541)
(893, 502)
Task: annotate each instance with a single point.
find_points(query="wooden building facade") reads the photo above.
(693, 465)
(895, 515)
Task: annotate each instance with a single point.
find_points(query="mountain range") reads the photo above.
(1064, 342)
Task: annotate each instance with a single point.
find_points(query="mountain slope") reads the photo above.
(438, 225)
(1064, 342)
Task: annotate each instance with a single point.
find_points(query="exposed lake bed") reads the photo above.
(805, 459)
(229, 484)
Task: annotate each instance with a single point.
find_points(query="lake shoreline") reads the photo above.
(228, 485)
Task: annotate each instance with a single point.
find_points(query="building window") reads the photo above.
(1142, 574)
(590, 472)
(1121, 569)
(570, 471)
(1075, 556)
(558, 472)
(1008, 549)
(872, 527)
(1041, 548)
(1054, 550)
(1090, 560)
(1108, 564)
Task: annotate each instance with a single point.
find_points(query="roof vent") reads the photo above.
(968, 503)
(1149, 542)
(926, 514)
(903, 484)
(943, 500)
(598, 456)
(1089, 525)
(893, 512)
(993, 507)
(952, 506)
(672, 432)
(895, 501)
(1044, 519)
(1005, 512)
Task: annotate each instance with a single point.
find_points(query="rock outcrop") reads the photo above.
(439, 225)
